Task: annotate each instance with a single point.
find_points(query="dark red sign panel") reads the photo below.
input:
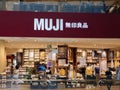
(49, 24)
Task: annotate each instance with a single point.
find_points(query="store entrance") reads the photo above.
(63, 59)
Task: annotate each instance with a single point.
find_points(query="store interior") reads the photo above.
(59, 58)
(60, 53)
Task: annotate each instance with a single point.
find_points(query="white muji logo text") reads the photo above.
(47, 24)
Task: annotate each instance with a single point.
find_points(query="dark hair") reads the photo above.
(17, 66)
(41, 67)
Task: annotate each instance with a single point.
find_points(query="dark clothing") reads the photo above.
(97, 70)
(82, 71)
(118, 73)
(108, 75)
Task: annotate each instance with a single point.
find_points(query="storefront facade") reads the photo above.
(58, 25)
(65, 25)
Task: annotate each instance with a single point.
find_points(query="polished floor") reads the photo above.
(27, 87)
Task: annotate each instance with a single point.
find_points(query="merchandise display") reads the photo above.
(62, 72)
(103, 66)
(71, 71)
(62, 62)
(71, 65)
(89, 70)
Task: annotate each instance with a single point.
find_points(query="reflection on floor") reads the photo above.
(27, 87)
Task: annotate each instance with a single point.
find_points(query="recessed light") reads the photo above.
(35, 40)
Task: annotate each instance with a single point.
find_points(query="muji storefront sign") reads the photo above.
(68, 25)
(47, 24)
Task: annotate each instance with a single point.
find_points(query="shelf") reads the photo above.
(91, 62)
(31, 56)
(62, 66)
(108, 60)
(103, 58)
(63, 51)
(29, 60)
(116, 58)
(95, 58)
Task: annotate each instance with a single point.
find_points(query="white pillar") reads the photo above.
(2, 58)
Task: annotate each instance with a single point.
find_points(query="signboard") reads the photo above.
(57, 24)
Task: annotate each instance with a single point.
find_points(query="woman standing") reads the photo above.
(16, 75)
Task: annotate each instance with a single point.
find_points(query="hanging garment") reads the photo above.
(89, 70)
(118, 73)
(62, 72)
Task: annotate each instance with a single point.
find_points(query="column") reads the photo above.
(2, 58)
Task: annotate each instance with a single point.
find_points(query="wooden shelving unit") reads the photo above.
(33, 55)
(62, 61)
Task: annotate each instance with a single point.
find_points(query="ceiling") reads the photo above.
(28, 42)
(15, 44)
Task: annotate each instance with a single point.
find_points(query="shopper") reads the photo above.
(109, 78)
(82, 71)
(11, 70)
(118, 72)
(16, 75)
(108, 74)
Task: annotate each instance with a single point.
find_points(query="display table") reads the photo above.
(58, 83)
(91, 81)
(61, 83)
(76, 83)
(44, 84)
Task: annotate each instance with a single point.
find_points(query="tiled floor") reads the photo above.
(27, 87)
